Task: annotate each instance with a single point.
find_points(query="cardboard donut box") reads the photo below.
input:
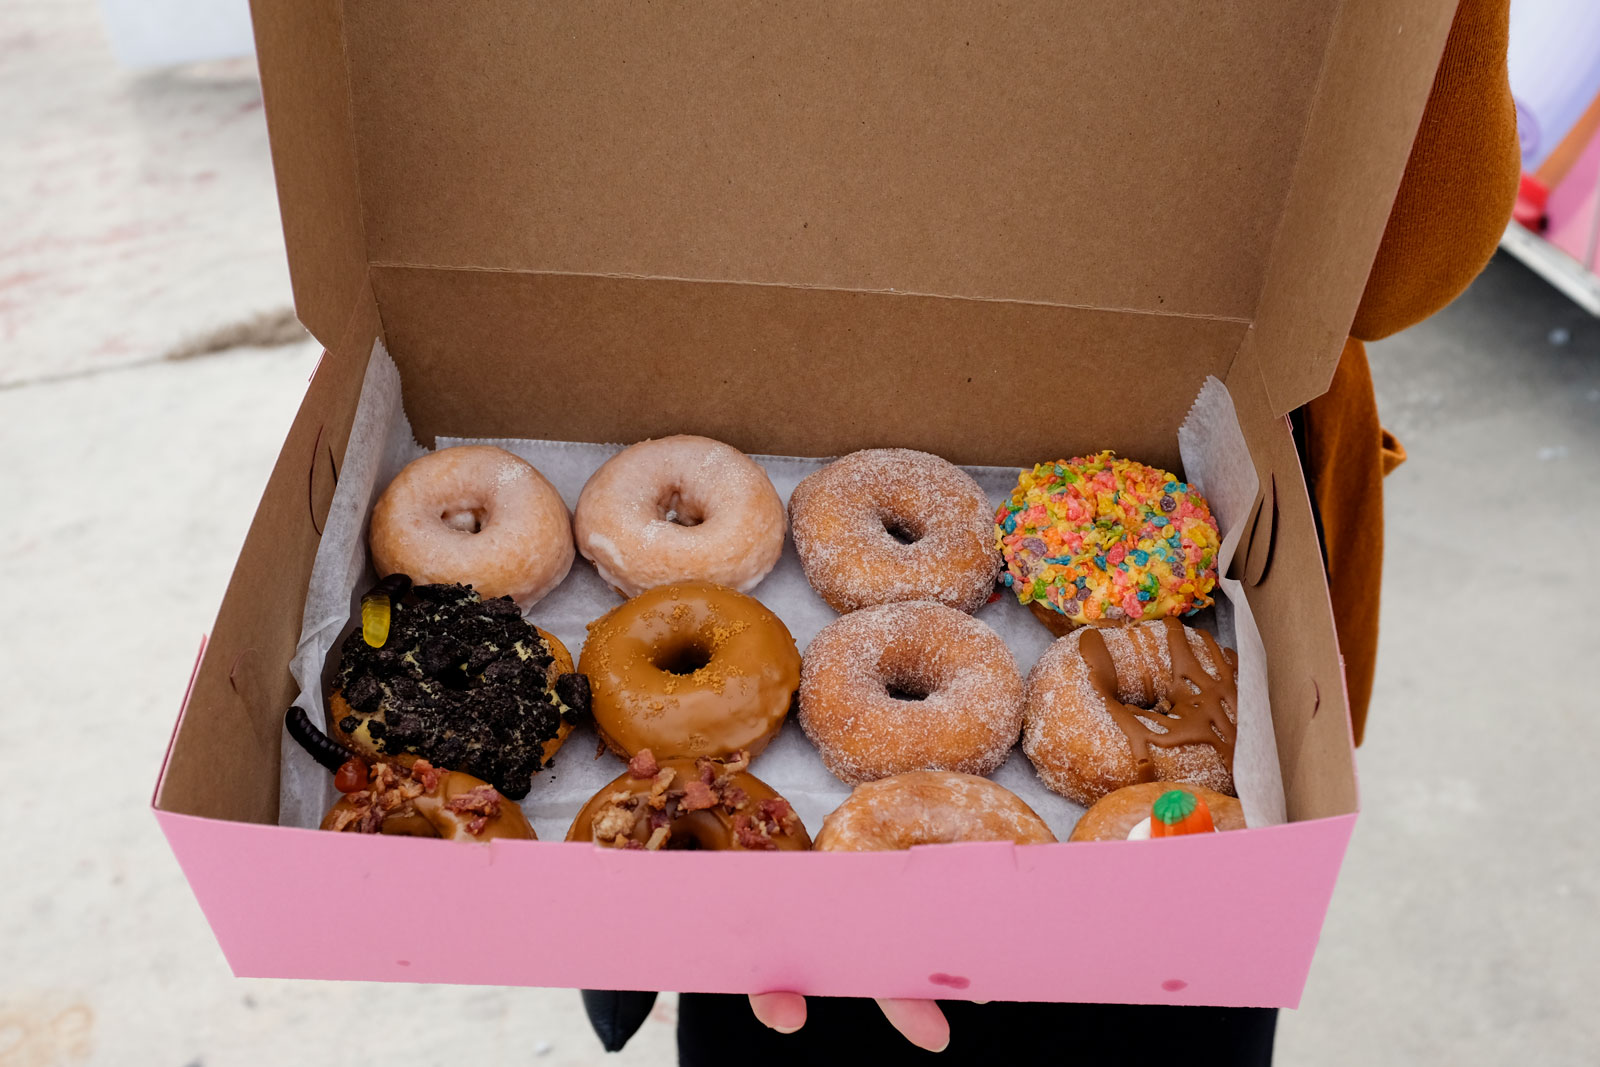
(996, 231)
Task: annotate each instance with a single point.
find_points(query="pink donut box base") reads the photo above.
(765, 247)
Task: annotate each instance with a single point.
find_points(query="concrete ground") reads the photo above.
(137, 225)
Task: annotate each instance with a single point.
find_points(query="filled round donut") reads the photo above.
(700, 803)
(473, 515)
(929, 808)
(422, 801)
(1103, 539)
(1130, 814)
(890, 524)
(690, 669)
(680, 509)
(909, 687)
(1109, 707)
(463, 682)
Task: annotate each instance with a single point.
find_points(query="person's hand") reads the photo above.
(920, 1021)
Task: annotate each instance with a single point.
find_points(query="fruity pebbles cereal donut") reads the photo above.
(1099, 539)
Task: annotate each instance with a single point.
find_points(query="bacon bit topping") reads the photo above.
(643, 764)
(707, 770)
(427, 774)
(658, 788)
(734, 798)
(475, 827)
(658, 837)
(750, 835)
(631, 843)
(736, 763)
(776, 815)
(481, 800)
(697, 796)
(613, 822)
(383, 778)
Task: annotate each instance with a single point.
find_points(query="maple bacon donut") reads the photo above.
(422, 801)
(929, 808)
(690, 804)
(908, 687)
(1130, 813)
(680, 509)
(1109, 707)
(473, 515)
(690, 669)
(889, 524)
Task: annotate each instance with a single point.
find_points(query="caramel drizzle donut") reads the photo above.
(1111, 707)
(1115, 816)
(690, 669)
(473, 515)
(690, 804)
(911, 686)
(890, 524)
(680, 509)
(461, 681)
(423, 801)
(929, 808)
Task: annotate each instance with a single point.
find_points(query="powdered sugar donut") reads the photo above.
(473, 515)
(929, 808)
(680, 509)
(906, 687)
(1109, 707)
(890, 524)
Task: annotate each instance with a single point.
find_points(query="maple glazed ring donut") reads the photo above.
(690, 804)
(891, 524)
(909, 687)
(1109, 707)
(929, 808)
(690, 669)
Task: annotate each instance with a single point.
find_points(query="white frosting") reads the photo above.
(1140, 831)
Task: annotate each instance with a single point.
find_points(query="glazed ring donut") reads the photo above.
(690, 804)
(1125, 814)
(1109, 707)
(889, 524)
(909, 687)
(1106, 539)
(929, 808)
(690, 669)
(463, 682)
(680, 509)
(473, 515)
(423, 801)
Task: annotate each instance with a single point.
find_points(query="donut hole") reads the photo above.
(677, 509)
(466, 520)
(683, 659)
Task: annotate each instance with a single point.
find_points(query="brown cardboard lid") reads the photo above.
(1228, 161)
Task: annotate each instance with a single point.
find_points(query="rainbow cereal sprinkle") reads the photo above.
(1107, 538)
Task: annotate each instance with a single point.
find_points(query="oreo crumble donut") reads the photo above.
(462, 682)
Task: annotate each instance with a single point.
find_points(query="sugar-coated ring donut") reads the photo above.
(464, 682)
(909, 687)
(929, 808)
(690, 804)
(422, 801)
(473, 515)
(1114, 816)
(680, 509)
(889, 524)
(1098, 539)
(690, 669)
(1109, 707)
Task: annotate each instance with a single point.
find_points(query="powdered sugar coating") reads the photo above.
(474, 515)
(1074, 743)
(843, 514)
(971, 708)
(929, 808)
(680, 509)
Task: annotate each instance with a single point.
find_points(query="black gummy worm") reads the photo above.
(324, 749)
(394, 587)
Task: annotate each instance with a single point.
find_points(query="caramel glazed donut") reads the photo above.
(906, 687)
(473, 515)
(423, 801)
(690, 669)
(929, 808)
(889, 524)
(1125, 814)
(1115, 706)
(460, 681)
(690, 804)
(680, 509)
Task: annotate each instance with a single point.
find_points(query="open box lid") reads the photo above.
(1223, 162)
